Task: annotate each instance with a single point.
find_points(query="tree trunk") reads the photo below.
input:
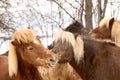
(101, 12)
(81, 11)
(88, 16)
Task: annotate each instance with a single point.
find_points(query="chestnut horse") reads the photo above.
(92, 59)
(109, 28)
(26, 54)
(4, 68)
(59, 72)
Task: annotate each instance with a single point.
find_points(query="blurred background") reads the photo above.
(46, 17)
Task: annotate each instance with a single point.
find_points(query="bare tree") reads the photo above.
(56, 15)
(101, 9)
(81, 10)
(88, 14)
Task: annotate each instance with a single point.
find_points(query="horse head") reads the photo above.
(67, 47)
(26, 48)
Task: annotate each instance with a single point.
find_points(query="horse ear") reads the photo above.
(110, 23)
(13, 42)
(16, 42)
(12, 60)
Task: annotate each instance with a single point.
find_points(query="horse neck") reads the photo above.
(77, 67)
(27, 71)
(84, 65)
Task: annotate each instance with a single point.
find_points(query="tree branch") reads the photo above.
(64, 9)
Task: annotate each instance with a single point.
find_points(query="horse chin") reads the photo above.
(51, 64)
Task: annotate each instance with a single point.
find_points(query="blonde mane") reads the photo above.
(77, 44)
(12, 60)
(24, 36)
(105, 22)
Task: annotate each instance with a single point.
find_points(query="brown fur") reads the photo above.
(6, 53)
(65, 71)
(59, 72)
(4, 68)
(75, 28)
(29, 54)
(101, 60)
(100, 33)
(108, 28)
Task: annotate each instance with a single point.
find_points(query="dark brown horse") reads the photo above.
(92, 59)
(4, 68)
(109, 28)
(26, 54)
(64, 71)
(76, 28)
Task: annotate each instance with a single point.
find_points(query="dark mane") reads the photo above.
(75, 27)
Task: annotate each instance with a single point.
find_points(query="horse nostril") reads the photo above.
(52, 60)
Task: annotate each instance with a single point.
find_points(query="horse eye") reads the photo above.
(30, 48)
(56, 52)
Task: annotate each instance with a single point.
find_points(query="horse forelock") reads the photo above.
(64, 37)
(77, 44)
(36, 41)
(24, 36)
